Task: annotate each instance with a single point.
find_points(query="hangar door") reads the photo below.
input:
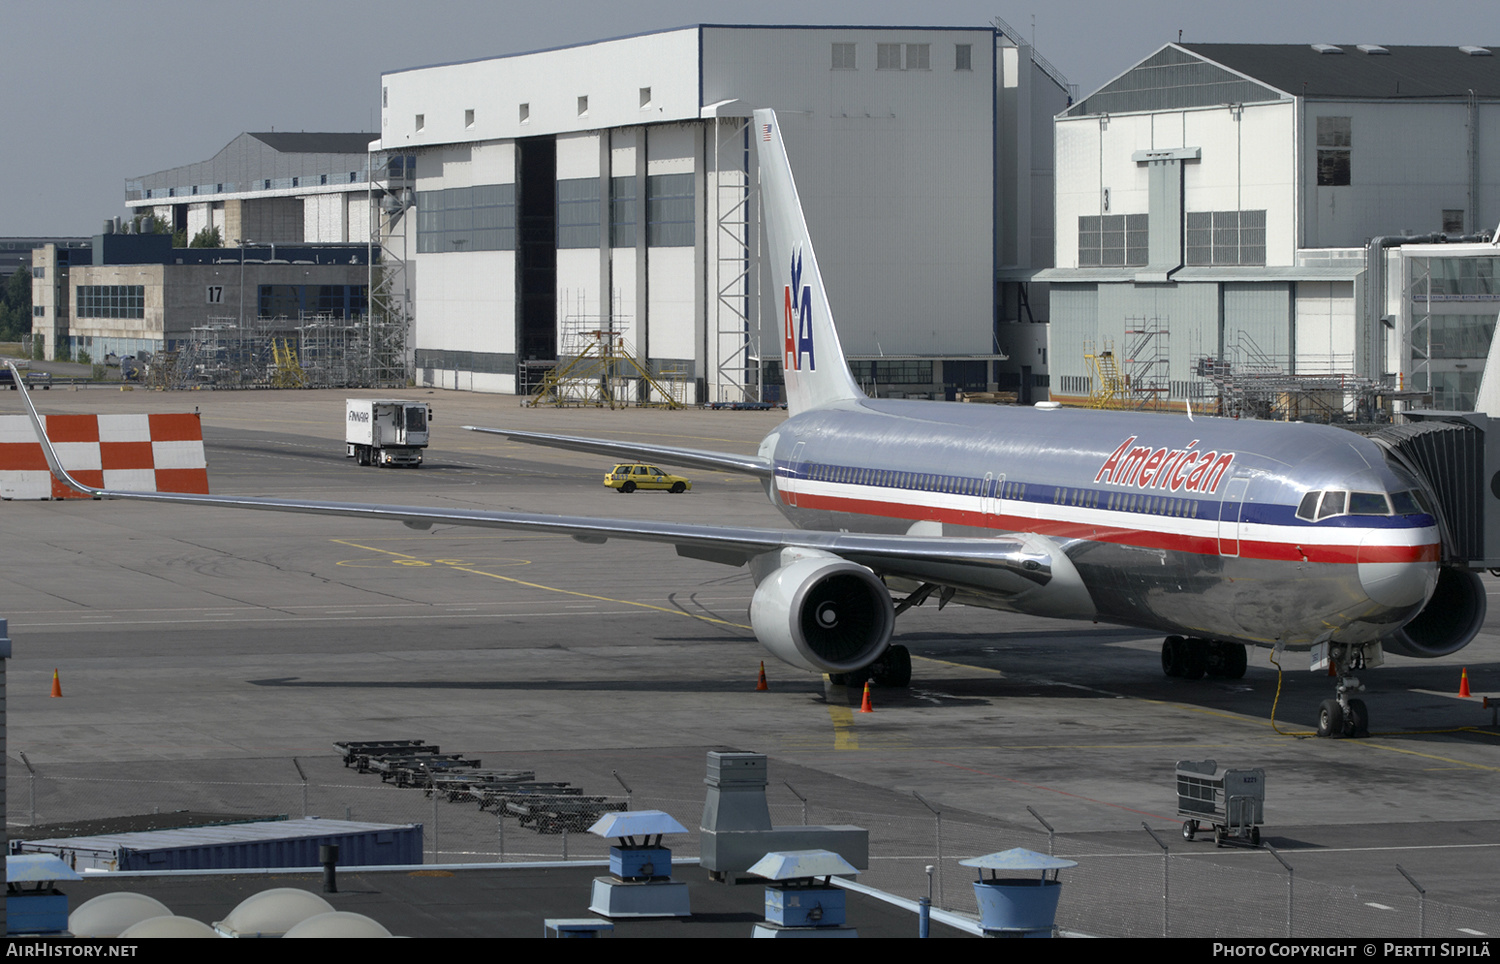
(1258, 325)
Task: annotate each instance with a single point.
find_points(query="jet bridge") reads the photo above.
(1458, 455)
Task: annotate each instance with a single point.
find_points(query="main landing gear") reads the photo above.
(1189, 657)
(1344, 716)
(892, 669)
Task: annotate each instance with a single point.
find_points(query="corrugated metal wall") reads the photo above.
(1258, 319)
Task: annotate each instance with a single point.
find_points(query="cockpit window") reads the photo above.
(1413, 502)
(1317, 506)
(1332, 505)
(1368, 503)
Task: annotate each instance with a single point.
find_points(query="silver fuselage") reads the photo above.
(1179, 525)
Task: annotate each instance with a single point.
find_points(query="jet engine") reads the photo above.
(824, 614)
(1451, 618)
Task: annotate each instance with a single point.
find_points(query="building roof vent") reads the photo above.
(1372, 49)
(1474, 51)
(1328, 48)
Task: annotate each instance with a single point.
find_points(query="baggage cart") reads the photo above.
(1233, 802)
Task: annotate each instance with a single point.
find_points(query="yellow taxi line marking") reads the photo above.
(844, 735)
(566, 592)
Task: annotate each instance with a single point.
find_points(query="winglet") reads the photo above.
(812, 360)
(53, 462)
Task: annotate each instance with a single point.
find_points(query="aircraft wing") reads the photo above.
(731, 545)
(1009, 565)
(641, 452)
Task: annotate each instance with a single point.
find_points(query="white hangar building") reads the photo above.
(1235, 207)
(610, 187)
(269, 187)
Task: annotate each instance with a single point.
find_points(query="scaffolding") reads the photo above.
(598, 367)
(734, 198)
(1140, 380)
(1147, 363)
(1253, 384)
(392, 179)
(310, 351)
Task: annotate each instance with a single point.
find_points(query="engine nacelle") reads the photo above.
(1451, 618)
(823, 614)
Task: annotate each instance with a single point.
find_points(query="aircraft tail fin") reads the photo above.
(812, 360)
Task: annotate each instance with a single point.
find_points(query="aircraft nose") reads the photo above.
(1396, 583)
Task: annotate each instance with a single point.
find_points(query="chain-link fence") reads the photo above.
(1127, 887)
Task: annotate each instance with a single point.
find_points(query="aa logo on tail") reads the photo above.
(799, 335)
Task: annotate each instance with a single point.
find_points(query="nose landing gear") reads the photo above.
(1344, 715)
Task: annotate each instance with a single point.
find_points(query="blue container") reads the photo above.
(805, 906)
(35, 913)
(1017, 905)
(272, 843)
(634, 863)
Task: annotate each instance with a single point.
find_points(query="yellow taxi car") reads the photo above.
(629, 476)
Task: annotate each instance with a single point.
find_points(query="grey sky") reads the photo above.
(103, 90)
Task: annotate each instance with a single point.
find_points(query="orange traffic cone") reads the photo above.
(56, 684)
(864, 706)
(1463, 683)
(760, 684)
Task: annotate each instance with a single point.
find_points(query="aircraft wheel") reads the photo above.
(678, 488)
(894, 668)
(1194, 658)
(1235, 660)
(628, 487)
(1330, 719)
(1213, 658)
(1172, 662)
(1357, 720)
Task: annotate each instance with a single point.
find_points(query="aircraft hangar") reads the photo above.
(610, 187)
(1289, 211)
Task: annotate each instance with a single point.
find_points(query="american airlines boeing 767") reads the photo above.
(1215, 532)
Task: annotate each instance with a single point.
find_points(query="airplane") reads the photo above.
(1216, 532)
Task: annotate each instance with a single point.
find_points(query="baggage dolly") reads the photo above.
(1233, 803)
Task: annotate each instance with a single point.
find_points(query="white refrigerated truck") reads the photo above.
(385, 431)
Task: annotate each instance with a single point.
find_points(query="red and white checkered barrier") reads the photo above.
(146, 453)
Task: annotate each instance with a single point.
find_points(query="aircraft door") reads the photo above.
(990, 500)
(794, 466)
(1230, 510)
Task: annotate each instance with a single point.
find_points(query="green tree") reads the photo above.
(15, 305)
(207, 238)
